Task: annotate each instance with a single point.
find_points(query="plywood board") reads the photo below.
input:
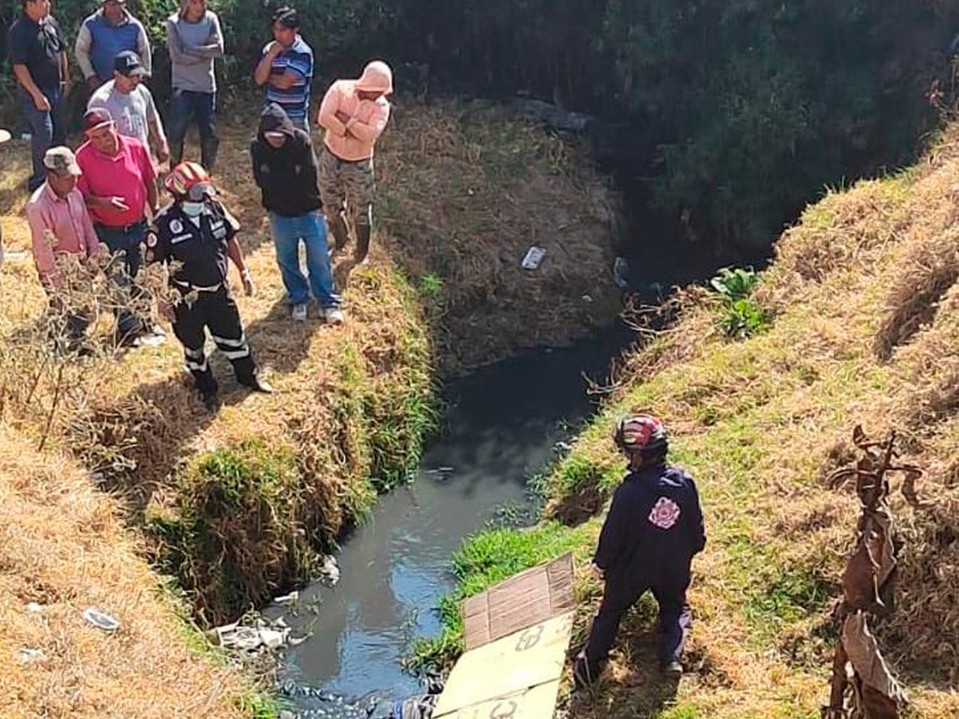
(536, 703)
(527, 658)
(527, 599)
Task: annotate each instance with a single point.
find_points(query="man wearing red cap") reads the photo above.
(652, 531)
(119, 186)
(354, 114)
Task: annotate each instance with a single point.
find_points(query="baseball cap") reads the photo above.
(4, 136)
(128, 63)
(96, 117)
(61, 160)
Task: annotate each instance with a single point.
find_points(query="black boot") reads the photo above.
(340, 232)
(208, 388)
(363, 233)
(208, 152)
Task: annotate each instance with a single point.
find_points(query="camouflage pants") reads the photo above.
(347, 189)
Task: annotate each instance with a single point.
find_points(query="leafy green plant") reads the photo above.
(735, 283)
(742, 317)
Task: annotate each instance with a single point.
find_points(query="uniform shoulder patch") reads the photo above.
(665, 513)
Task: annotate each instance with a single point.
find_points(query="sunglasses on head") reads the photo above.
(201, 191)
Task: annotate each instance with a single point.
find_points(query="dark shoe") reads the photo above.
(208, 152)
(341, 234)
(672, 670)
(176, 153)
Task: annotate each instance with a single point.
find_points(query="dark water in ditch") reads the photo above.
(502, 426)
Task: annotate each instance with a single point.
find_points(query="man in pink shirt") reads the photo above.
(119, 186)
(354, 114)
(60, 225)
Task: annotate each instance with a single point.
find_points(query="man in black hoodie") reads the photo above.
(653, 530)
(284, 168)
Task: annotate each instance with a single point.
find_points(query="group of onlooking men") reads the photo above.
(107, 192)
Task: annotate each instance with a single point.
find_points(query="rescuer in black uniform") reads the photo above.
(195, 235)
(653, 530)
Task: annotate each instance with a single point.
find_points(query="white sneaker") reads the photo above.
(299, 313)
(333, 315)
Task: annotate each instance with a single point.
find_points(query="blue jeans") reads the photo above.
(47, 129)
(287, 233)
(125, 240)
(187, 105)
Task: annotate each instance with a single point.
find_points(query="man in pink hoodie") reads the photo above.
(354, 114)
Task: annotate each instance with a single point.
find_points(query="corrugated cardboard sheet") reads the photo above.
(518, 633)
(528, 598)
(534, 703)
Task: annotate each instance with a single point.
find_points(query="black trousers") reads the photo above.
(218, 312)
(675, 621)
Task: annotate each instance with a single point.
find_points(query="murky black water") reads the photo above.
(503, 423)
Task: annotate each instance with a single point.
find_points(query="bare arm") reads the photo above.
(263, 69)
(26, 80)
(153, 196)
(156, 135)
(235, 253)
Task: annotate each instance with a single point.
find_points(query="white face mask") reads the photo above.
(192, 209)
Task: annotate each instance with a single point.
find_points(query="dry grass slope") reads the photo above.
(62, 546)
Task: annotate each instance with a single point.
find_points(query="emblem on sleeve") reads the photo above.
(665, 514)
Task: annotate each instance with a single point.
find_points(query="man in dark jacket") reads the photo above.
(195, 236)
(653, 530)
(284, 167)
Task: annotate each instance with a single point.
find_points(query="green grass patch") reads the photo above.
(482, 561)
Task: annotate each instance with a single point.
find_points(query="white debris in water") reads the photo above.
(290, 598)
(330, 571)
(34, 608)
(252, 639)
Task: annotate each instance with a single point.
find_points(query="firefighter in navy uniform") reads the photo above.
(653, 530)
(195, 235)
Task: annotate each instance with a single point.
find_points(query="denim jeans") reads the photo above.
(126, 240)
(287, 233)
(187, 105)
(47, 129)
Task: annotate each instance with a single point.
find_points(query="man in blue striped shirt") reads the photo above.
(286, 68)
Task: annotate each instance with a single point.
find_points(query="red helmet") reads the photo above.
(189, 179)
(641, 432)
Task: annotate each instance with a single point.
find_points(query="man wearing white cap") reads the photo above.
(354, 114)
(60, 225)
